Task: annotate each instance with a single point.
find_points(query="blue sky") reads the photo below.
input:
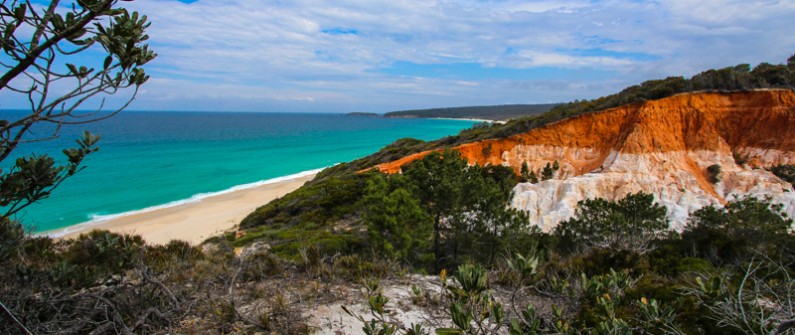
(380, 56)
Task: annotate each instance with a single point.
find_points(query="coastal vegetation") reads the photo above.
(728, 272)
(499, 112)
(363, 114)
(785, 172)
(614, 268)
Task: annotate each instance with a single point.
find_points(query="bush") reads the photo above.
(785, 172)
(713, 173)
(97, 254)
(738, 230)
(632, 224)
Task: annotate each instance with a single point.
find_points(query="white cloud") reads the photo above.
(261, 52)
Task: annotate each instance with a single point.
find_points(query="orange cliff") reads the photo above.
(662, 146)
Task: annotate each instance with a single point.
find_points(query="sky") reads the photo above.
(380, 56)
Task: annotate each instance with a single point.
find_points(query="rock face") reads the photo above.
(662, 147)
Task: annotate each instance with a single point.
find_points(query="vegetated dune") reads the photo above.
(663, 147)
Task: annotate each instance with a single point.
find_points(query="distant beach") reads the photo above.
(469, 119)
(192, 221)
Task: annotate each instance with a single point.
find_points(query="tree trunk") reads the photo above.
(437, 252)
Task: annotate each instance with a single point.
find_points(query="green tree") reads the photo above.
(785, 172)
(713, 173)
(439, 178)
(631, 223)
(532, 177)
(547, 173)
(487, 225)
(397, 225)
(469, 205)
(525, 172)
(738, 230)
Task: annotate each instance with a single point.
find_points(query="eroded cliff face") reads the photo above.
(663, 147)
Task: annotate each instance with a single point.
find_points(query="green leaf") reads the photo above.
(462, 316)
(448, 331)
(497, 313)
(77, 34)
(10, 31)
(58, 22)
(73, 69)
(19, 12)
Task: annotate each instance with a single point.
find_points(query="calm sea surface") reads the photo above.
(150, 159)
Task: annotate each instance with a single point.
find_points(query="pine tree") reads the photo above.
(525, 172)
(547, 173)
(397, 225)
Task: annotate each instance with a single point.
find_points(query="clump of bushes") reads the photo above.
(785, 172)
(713, 173)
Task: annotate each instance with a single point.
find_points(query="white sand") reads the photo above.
(195, 221)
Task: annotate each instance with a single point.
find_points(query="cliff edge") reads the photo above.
(662, 147)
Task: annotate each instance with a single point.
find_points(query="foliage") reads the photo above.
(501, 112)
(11, 238)
(713, 173)
(631, 223)
(323, 201)
(33, 178)
(397, 224)
(762, 303)
(548, 172)
(524, 172)
(785, 172)
(101, 253)
(473, 308)
(738, 230)
(532, 178)
(34, 37)
(469, 206)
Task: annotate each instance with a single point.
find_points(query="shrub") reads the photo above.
(713, 173)
(738, 230)
(785, 172)
(632, 224)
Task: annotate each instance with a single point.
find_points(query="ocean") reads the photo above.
(151, 160)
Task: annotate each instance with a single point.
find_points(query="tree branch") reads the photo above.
(36, 50)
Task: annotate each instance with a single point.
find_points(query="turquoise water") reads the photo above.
(152, 159)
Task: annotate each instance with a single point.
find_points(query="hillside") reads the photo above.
(499, 112)
(737, 78)
(663, 147)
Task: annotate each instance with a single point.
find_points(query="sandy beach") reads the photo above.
(195, 221)
(470, 119)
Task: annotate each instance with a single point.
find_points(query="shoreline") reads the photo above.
(194, 219)
(469, 119)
